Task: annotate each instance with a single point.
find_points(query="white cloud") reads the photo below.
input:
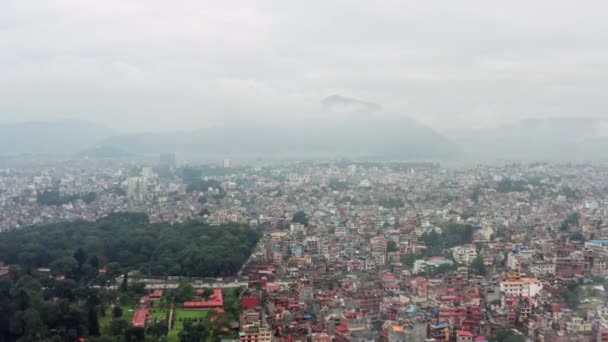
(157, 64)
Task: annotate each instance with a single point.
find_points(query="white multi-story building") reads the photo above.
(464, 254)
(542, 268)
(526, 287)
(419, 266)
(255, 333)
(148, 173)
(518, 257)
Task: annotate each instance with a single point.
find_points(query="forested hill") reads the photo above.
(127, 241)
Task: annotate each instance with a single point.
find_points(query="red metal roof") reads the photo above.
(341, 328)
(156, 294)
(216, 300)
(139, 318)
(250, 302)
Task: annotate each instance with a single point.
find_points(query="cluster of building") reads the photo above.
(363, 252)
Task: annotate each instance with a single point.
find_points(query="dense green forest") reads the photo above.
(34, 307)
(37, 307)
(53, 197)
(451, 235)
(188, 249)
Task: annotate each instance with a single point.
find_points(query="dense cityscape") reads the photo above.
(303, 171)
(346, 251)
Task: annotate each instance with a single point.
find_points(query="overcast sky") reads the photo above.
(155, 65)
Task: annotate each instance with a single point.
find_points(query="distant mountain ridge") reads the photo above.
(348, 127)
(103, 152)
(386, 137)
(51, 138)
(537, 139)
(374, 136)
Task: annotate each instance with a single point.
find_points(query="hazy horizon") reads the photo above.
(149, 66)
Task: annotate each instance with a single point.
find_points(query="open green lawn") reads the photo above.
(160, 311)
(181, 314)
(127, 315)
(159, 314)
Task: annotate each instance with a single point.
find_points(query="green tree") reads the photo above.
(571, 299)
(131, 243)
(207, 292)
(63, 265)
(184, 292)
(392, 203)
(94, 262)
(134, 334)
(113, 269)
(118, 327)
(478, 266)
(125, 282)
(192, 332)
(391, 246)
(34, 328)
(117, 311)
(300, 217)
(88, 197)
(158, 329)
(508, 335)
(81, 256)
(409, 259)
(576, 236)
(93, 322)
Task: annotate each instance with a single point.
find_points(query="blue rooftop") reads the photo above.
(441, 326)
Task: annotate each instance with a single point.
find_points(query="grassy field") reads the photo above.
(181, 314)
(127, 315)
(159, 314)
(160, 311)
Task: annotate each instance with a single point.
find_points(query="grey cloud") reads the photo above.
(155, 64)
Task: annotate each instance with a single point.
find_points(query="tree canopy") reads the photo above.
(36, 307)
(478, 266)
(391, 246)
(300, 217)
(392, 203)
(188, 249)
(452, 235)
(507, 335)
(54, 197)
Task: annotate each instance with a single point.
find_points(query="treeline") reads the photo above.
(128, 241)
(509, 185)
(190, 173)
(392, 203)
(452, 235)
(204, 185)
(51, 311)
(54, 197)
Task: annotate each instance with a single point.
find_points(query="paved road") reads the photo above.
(174, 285)
(196, 286)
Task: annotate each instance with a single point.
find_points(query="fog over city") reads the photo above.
(153, 65)
(303, 171)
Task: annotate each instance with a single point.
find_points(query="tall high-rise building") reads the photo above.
(379, 246)
(226, 163)
(167, 160)
(147, 173)
(137, 188)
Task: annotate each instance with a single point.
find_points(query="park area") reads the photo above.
(180, 316)
(162, 317)
(105, 320)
